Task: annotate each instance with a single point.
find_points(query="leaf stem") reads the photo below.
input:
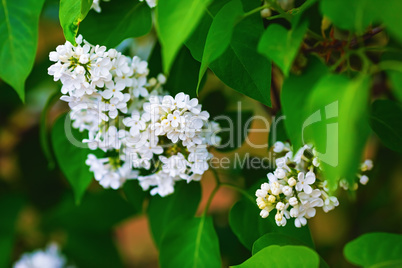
(255, 10)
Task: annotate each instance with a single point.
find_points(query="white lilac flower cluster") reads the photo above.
(145, 133)
(48, 258)
(96, 4)
(296, 187)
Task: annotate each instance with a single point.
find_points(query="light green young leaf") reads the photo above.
(281, 45)
(71, 13)
(396, 80)
(282, 257)
(220, 34)
(192, 244)
(116, 22)
(71, 159)
(386, 122)
(294, 96)
(18, 41)
(247, 224)
(175, 21)
(337, 124)
(163, 211)
(375, 250)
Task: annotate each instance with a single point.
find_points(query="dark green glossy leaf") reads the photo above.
(175, 21)
(220, 34)
(116, 22)
(375, 250)
(281, 45)
(396, 80)
(386, 122)
(18, 41)
(71, 155)
(192, 243)
(163, 211)
(283, 257)
(71, 13)
(247, 224)
(240, 67)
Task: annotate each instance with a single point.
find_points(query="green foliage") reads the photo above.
(375, 250)
(277, 130)
(116, 22)
(10, 206)
(396, 80)
(183, 76)
(134, 194)
(386, 122)
(360, 14)
(220, 34)
(248, 225)
(164, 211)
(71, 155)
(286, 256)
(240, 66)
(175, 21)
(193, 243)
(71, 13)
(18, 41)
(340, 142)
(281, 45)
(295, 92)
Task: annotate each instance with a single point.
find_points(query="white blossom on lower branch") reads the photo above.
(48, 258)
(96, 4)
(296, 188)
(145, 133)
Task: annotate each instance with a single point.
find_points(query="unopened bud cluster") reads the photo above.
(296, 188)
(145, 133)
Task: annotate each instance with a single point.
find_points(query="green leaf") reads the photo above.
(337, 124)
(375, 250)
(247, 224)
(184, 74)
(71, 155)
(99, 212)
(10, 206)
(396, 80)
(100, 246)
(240, 67)
(18, 41)
(191, 243)
(283, 257)
(134, 194)
(280, 240)
(281, 45)
(220, 34)
(350, 15)
(386, 122)
(175, 21)
(163, 211)
(294, 96)
(116, 22)
(71, 13)
(234, 129)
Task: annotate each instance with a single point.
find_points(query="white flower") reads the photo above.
(367, 165)
(293, 201)
(48, 258)
(287, 190)
(264, 213)
(278, 147)
(135, 123)
(280, 206)
(280, 173)
(114, 90)
(330, 203)
(292, 182)
(304, 182)
(364, 179)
